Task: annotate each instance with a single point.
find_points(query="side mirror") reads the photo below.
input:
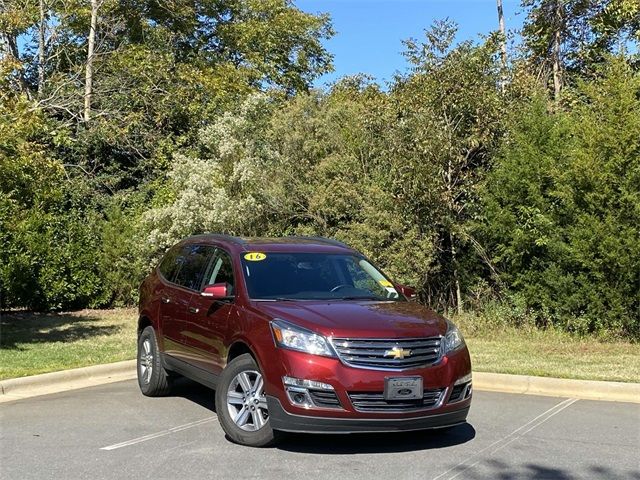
(408, 292)
(217, 290)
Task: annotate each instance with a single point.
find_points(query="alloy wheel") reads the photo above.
(146, 361)
(246, 401)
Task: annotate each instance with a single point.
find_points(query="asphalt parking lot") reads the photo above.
(112, 432)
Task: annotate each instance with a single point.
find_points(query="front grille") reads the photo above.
(378, 353)
(375, 401)
(326, 399)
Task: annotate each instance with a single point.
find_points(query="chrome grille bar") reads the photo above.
(375, 401)
(380, 353)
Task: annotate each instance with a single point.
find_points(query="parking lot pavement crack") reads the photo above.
(463, 466)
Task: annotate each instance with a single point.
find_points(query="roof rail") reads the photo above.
(328, 241)
(230, 238)
(222, 236)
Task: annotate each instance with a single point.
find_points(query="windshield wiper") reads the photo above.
(276, 299)
(288, 299)
(361, 297)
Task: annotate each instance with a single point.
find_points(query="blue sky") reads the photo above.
(370, 32)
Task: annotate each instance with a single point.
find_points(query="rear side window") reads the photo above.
(193, 259)
(169, 265)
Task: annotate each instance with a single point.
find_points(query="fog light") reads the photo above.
(298, 390)
(299, 397)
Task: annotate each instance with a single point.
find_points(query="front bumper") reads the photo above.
(348, 381)
(289, 422)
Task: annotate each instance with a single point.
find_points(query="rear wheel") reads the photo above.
(152, 377)
(241, 404)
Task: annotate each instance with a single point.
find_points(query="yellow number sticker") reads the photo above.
(385, 283)
(254, 256)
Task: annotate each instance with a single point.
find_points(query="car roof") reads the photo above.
(302, 244)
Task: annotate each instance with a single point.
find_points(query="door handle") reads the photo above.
(166, 300)
(193, 310)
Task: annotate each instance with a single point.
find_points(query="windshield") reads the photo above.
(314, 276)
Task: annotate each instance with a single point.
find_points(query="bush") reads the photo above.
(562, 206)
(50, 259)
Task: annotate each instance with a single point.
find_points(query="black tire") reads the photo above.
(264, 436)
(156, 382)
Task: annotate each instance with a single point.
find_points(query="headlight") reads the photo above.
(291, 336)
(453, 340)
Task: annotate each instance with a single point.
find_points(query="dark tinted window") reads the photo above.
(169, 265)
(220, 270)
(193, 260)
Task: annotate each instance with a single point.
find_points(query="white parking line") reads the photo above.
(507, 439)
(573, 400)
(151, 436)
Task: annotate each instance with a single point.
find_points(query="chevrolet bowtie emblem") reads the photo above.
(397, 353)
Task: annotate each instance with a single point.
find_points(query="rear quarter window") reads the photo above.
(169, 265)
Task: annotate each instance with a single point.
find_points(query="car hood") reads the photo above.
(359, 319)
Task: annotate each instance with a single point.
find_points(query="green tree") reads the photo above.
(333, 176)
(89, 137)
(46, 225)
(562, 207)
(156, 74)
(576, 35)
(449, 124)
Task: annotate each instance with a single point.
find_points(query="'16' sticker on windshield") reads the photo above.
(254, 256)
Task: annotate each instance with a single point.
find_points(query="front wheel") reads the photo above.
(241, 404)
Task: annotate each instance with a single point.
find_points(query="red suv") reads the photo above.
(298, 334)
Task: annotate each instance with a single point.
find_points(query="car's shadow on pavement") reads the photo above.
(195, 392)
(336, 444)
(332, 444)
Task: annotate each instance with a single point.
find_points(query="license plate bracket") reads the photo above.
(403, 388)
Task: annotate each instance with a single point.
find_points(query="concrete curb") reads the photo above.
(557, 387)
(35, 385)
(25, 387)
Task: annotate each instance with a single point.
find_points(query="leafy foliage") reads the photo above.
(562, 206)
(482, 192)
(589, 30)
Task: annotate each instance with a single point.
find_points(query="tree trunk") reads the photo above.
(454, 262)
(557, 44)
(8, 46)
(503, 46)
(41, 48)
(503, 40)
(88, 82)
(9, 50)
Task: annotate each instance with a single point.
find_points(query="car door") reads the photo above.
(172, 306)
(207, 320)
(191, 262)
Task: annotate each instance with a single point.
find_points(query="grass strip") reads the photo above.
(33, 343)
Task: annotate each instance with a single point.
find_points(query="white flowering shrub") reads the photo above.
(224, 188)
